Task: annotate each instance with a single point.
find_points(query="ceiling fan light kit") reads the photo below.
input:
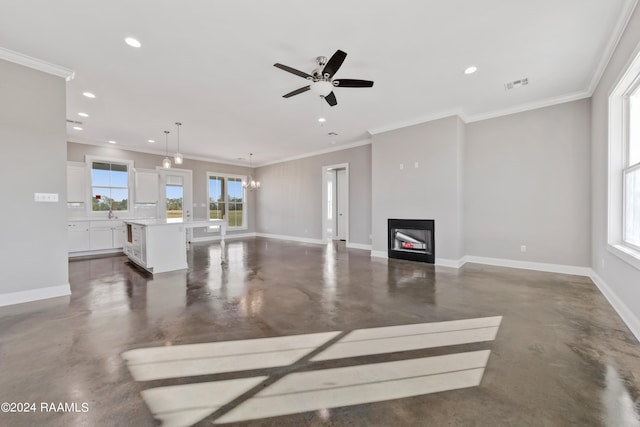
(322, 82)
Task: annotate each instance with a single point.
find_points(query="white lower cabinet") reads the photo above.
(95, 235)
(101, 238)
(78, 236)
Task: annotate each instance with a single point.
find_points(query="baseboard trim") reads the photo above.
(627, 316)
(96, 252)
(528, 265)
(379, 254)
(291, 238)
(358, 246)
(20, 297)
(226, 237)
(452, 263)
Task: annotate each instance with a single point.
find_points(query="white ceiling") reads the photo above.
(209, 64)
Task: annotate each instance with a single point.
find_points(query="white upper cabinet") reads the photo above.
(146, 187)
(76, 183)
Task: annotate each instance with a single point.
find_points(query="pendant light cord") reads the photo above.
(178, 124)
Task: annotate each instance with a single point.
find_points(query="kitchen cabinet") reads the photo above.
(76, 183)
(159, 245)
(146, 184)
(78, 236)
(106, 235)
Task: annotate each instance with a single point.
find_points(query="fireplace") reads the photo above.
(412, 239)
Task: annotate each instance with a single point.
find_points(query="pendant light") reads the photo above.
(166, 163)
(178, 156)
(251, 183)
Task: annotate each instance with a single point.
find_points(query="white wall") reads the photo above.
(527, 182)
(620, 278)
(289, 203)
(433, 190)
(33, 135)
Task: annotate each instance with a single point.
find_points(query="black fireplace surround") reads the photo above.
(412, 240)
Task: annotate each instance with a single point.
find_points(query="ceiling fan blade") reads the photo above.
(293, 71)
(296, 92)
(331, 99)
(334, 63)
(352, 83)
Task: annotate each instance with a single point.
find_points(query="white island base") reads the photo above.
(159, 245)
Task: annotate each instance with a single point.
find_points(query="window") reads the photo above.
(227, 199)
(631, 171)
(109, 186)
(624, 166)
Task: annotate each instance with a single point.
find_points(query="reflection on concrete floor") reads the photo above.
(291, 392)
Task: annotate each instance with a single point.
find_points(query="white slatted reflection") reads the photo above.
(353, 385)
(155, 363)
(363, 342)
(184, 405)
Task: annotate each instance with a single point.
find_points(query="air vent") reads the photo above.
(516, 83)
(75, 122)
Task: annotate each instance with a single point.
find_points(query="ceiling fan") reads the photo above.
(322, 82)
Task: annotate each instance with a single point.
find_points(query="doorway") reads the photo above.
(335, 202)
(176, 196)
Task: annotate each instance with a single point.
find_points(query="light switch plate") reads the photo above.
(45, 197)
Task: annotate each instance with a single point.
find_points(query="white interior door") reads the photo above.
(342, 203)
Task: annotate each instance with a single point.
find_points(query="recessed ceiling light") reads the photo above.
(322, 119)
(77, 128)
(151, 141)
(83, 114)
(132, 42)
(88, 94)
(471, 70)
(112, 142)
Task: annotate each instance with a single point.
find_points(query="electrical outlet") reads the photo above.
(415, 165)
(401, 166)
(523, 248)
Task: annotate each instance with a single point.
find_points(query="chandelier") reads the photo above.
(250, 182)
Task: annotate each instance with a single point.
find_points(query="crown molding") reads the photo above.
(319, 152)
(416, 121)
(156, 152)
(575, 96)
(611, 46)
(36, 64)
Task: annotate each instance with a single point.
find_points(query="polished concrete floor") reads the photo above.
(553, 353)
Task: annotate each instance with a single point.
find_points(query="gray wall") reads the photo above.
(77, 152)
(290, 199)
(621, 277)
(527, 182)
(431, 191)
(33, 140)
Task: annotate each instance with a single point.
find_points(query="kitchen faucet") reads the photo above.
(110, 216)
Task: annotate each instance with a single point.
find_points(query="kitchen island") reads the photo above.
(160, 245)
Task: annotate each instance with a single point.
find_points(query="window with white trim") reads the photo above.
(624, 166)
(227, 199)
(109, 186)
(631, 173)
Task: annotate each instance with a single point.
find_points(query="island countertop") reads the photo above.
(177, 221)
